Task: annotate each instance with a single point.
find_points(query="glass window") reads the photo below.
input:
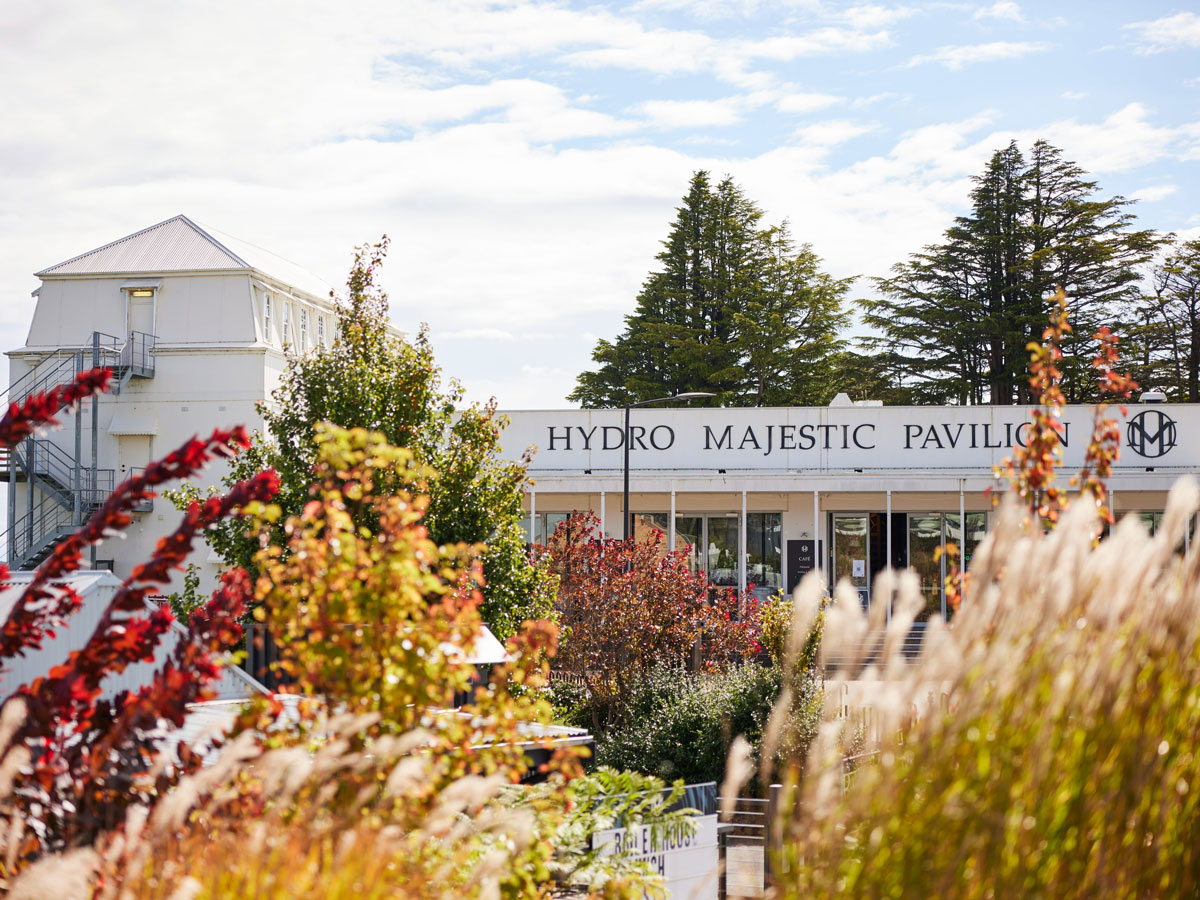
(303, 330)
(321, 331)
(287, 323)
(850, 553)
(544, 525)
(976, 530)
(764, 554)
(268, 301)
(646, 525)
(689, 538)
(1151, 520)
(924, 539)
(721, 550)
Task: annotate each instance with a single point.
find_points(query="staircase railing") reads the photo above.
(36, 531)
(66, 485)
(64, 364)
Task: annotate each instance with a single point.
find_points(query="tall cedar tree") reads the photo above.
(736, 308)
(1170, 334)
(370, 378)
(956, 317)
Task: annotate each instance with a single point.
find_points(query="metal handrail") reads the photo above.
(65, 363)
(69, 487)
(138, 353)
(47, 521)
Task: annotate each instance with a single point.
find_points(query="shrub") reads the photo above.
(627, 607)
(74, 763)
(368, 790)
(682, 725)
(776, 618)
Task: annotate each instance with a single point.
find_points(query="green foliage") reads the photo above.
(184, 601)
(682, 724)
(736, 309)
(372, 378)
(957, 316)
(776, 624)
(1167, 343)
(609, 798)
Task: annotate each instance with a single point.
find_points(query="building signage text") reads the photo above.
(835, 437)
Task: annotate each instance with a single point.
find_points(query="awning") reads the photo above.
(141, 284)
(130, 421)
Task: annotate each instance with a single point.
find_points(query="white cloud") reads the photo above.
(831, 133)
(806, 103)
(882, 97)
(1180, 31)
(956, 57)
(521, 201)
(692, 113)
(1073, 95)
(873, 16)
(722, 9)
(1004, 9)
(478, 334)
(1154, 193)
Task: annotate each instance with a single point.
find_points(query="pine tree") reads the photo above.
(735, 309)
(958, 315)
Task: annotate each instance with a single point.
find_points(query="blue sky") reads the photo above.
(526, 157)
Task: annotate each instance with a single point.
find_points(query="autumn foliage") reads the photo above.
(627, 607)
(85, 759)
(372, 785)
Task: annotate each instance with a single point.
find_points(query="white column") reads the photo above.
(532, 521)
(962, 526)
(602, 515)
(671, 525)
(818, 556)
(888, 550)
(742, 548)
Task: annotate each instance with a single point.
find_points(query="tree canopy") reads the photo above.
(956, 317)
(736, 308)
(371, 378)
(1170, 327)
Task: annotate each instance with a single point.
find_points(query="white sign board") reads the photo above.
(687, 861)
(800, 439)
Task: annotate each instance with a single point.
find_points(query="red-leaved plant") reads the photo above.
(628, 606)
(84, 760)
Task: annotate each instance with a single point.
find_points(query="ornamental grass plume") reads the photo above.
(1047, 744)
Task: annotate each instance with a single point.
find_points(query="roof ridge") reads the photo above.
(208, 237)
(176, 218)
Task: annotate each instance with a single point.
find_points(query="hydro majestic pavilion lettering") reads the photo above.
(767, 439)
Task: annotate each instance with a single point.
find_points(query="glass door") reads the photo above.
(710, 544)
(851, 553)
(924, 538)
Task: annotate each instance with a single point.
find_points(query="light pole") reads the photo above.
(690, 395)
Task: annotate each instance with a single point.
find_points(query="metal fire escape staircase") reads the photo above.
(61, 489)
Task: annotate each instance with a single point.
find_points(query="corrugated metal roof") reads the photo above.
(182, 245)
(176, 245)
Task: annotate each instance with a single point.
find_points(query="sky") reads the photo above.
(526, 158)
